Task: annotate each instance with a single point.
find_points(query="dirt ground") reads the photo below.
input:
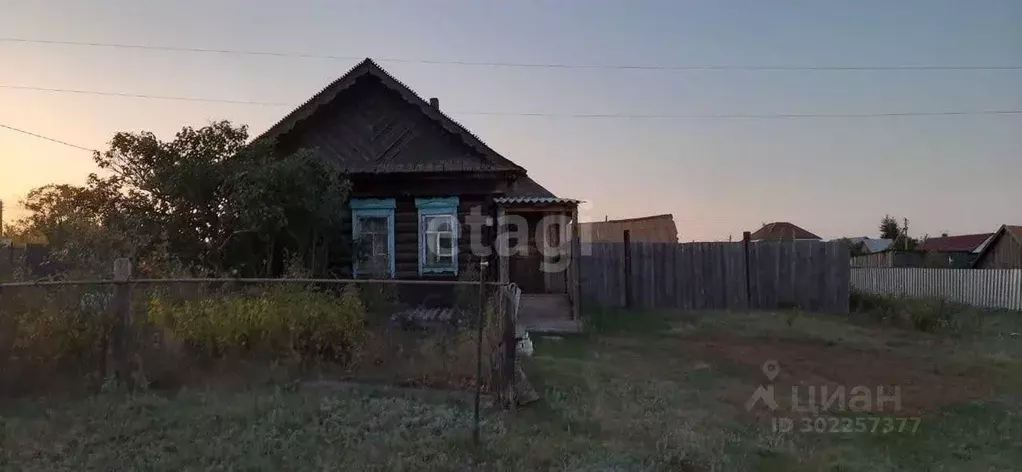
(807, 363)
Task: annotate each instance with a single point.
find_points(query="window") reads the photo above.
(372, 231)
(438, 235)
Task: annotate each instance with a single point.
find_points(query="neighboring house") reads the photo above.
(869, 245)
(422, 184)
(888, 258)
(647, 229)
(1004, 250)
(782, 231)
(953, 251)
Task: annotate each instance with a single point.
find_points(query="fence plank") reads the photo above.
(704, 276)
(684, 273)
(984, 288)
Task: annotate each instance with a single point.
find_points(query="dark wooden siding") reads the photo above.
(391, 149)
(1004, 253)
(371, 128)
(471, 192)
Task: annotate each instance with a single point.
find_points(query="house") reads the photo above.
(1003, 251)
(888, 258)
(782, 231)
(867, 245)
(426, 192)
(958, 251)
(646, 229)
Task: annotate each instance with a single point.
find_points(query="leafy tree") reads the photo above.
(205, 198)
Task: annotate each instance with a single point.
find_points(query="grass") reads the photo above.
(642, 391)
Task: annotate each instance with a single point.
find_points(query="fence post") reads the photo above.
(628, 268)
(479, 348)
(746, 236)
(121, 329)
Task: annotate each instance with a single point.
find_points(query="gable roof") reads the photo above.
(780, 231)
(960, 243)
(526, 190)
(869, 244)
(368, 68)
(1008, 231)
(646, 229)
(877, 245)
(524, 187)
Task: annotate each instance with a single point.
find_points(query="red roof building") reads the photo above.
(782, 231)
(961, 243)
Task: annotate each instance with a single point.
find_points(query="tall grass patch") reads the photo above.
(931, 316)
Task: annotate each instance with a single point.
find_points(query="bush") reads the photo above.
(48, 336)
(279, 322)
(932, 316)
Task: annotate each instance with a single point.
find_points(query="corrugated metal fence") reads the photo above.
(986, 288)
(712, 276)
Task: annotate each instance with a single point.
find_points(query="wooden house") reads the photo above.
(427, 194)
(1004, 251)
(954, 252)
(888, 258)
(646, 229)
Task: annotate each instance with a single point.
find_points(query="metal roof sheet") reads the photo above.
(536, 200)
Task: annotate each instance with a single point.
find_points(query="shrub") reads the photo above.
(932, 316)
(280, 322)
(48, 332)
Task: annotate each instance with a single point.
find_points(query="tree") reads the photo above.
(889, 228)
(205, 198)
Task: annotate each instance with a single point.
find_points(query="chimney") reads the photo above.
(434, 102)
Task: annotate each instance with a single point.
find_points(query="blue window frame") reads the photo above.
(438, 235)
(372, 234)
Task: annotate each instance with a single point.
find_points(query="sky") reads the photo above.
(834, 176)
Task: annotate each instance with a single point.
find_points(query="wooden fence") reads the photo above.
(985, 288)
(712, 276)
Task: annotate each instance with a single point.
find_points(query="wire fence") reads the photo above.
(80, 336)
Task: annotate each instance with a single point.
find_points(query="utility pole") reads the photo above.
(1, 218)
(904, 233)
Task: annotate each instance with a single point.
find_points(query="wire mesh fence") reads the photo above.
(171, 333)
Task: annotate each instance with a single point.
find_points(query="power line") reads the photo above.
(139, 95)
(754, 115)
(534, 65)
(553, 115)
(55, 140)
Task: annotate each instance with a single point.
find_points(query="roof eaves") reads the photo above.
(1012, 232)
(505, 200)
(367, 66)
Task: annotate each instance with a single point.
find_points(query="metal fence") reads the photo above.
(984, 288)
(715, 276)
(167, 333)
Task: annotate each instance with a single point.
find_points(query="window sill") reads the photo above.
(427, 271)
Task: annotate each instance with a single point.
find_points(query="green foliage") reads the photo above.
(50, 338)
(620, 321)
(932, 316)
(889, 228)
(207, 198)
(45, 333)
(281, 322)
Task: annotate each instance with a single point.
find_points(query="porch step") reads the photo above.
(547, 314)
